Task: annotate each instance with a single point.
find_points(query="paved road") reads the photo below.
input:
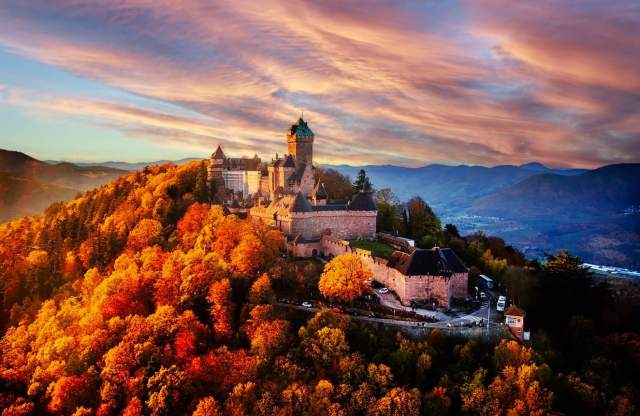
(451, 322)
(455, 319)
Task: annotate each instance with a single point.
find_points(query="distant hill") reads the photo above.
(127, 166)
(605, 191)
(22, 196)
(540, 168)
(448, 188)
(29, 185)
(595, 215)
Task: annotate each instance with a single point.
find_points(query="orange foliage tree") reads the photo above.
(221, 309)
(343, 278)
(146, 233)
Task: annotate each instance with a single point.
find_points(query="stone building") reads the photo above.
(287, 197)
(240, 175)
(514, 318)
(436, 275)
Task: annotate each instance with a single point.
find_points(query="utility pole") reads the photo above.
(488, 314)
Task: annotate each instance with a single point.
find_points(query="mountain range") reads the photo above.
(593, 213)
(28, 185)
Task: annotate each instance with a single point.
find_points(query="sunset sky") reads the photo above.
(396, 82)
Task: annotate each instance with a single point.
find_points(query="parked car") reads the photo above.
(337, 309)
(307, 304)
(502, 302)
(383, 291)
(369, 282)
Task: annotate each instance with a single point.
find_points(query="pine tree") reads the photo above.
(362, 183)
(201, 191)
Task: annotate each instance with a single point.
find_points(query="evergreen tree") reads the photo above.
(201, 190)
(362, 183)
(451, 230)
(213, 190)
(422, 220)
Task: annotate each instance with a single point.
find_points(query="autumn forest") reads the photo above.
(141, 298)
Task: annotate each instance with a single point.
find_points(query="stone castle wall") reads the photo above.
(343, 224)
(459, 285)
(312, 225)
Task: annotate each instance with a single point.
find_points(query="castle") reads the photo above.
(284, 194)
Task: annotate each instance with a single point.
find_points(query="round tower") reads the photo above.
(217, 164)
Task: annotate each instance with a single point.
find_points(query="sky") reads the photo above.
(409, 83)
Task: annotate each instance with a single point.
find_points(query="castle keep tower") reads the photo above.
(300, 142)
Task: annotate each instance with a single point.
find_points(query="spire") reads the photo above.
(219, 154)
(300, 204)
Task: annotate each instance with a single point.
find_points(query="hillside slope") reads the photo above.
(133, 299)
(22, 196)
(31, 184)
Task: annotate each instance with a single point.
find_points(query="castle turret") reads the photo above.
(300, 142)
(217, 164)
(319, 195)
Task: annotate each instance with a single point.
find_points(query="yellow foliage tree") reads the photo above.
(343, 278)
(146, 233)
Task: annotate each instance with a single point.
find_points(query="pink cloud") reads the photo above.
(382, 82)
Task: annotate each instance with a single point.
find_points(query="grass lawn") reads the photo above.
(378, 248)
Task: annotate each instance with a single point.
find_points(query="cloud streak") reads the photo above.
(384, 82)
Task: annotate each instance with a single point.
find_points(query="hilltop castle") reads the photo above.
(284, 194)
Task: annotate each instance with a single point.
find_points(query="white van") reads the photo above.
(502, 302)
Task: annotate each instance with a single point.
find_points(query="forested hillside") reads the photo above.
(24, 196)
(140, 298)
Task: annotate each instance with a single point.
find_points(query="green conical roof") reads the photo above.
(300, 129)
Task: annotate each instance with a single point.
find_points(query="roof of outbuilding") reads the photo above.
(455, 264)
(242, 163)
(300, 204)
(330, 207)
(420, 263)
(513, 310)
(363, 201)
